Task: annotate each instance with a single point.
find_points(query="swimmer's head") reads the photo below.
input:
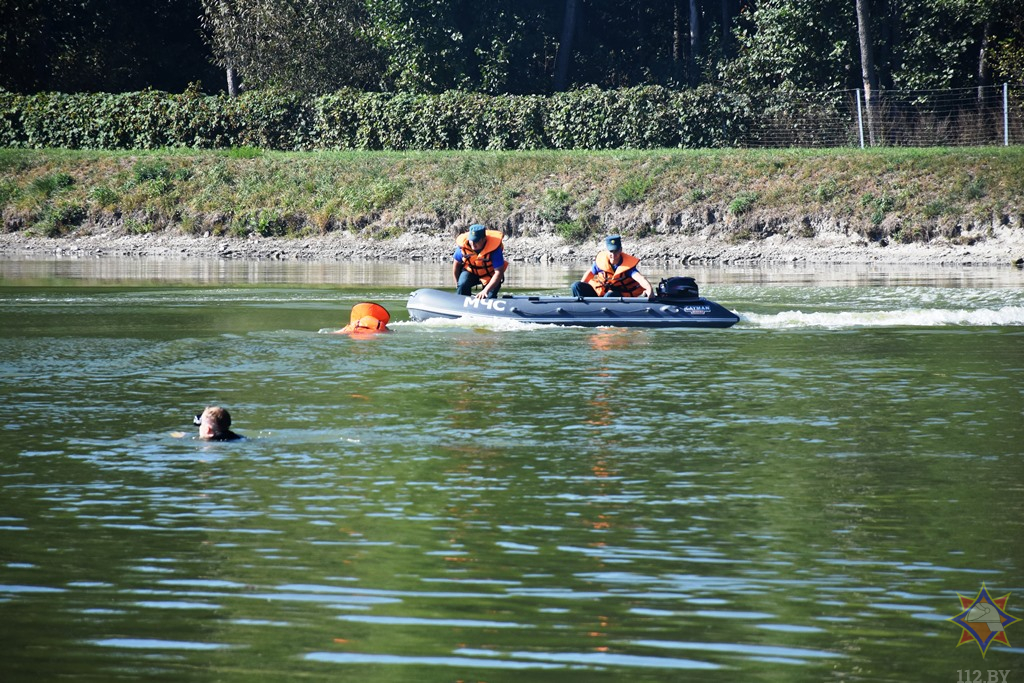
(213, 422)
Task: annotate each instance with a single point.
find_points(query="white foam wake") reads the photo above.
(476, 322)
(912, 317)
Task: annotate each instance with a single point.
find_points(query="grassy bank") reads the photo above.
(904, 195)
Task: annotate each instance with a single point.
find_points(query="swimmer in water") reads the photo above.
(215, 425)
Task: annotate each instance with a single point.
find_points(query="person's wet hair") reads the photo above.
(218, 421)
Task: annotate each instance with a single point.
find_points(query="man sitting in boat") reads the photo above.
(614, 273)
(479, 259)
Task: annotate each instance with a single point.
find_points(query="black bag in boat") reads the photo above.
(678, 288)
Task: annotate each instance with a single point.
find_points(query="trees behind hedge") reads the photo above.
(914, 44)
(102, 46)
(544, 46)
(516, 47)
(309, 47)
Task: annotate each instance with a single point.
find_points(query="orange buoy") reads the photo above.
(367, 318)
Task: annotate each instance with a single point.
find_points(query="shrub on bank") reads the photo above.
(645, 117)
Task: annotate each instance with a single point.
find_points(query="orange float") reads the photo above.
(367, 318)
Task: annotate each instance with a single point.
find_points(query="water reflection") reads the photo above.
(522, 276)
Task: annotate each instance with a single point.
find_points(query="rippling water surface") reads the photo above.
(799, 498)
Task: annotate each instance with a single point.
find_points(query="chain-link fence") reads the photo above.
(992, 115)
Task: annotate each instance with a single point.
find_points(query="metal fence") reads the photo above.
(992, 115)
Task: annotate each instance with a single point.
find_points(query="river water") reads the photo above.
(802, 497)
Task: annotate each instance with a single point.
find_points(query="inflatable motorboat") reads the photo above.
(677, 304)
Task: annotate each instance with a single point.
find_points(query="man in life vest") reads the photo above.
(367, 318)
(614, 273)
(479, 259)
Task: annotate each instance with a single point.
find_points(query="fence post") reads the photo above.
(1006, 118)
(860, 120)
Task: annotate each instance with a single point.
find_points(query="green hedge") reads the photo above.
(637, 118)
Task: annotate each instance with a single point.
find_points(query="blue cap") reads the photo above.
(477, 232)
(613, 243)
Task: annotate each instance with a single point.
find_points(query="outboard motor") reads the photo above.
(678, 288)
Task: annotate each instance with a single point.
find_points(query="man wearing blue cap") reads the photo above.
(614, 273)
(479, 259)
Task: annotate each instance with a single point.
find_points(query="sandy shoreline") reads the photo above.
(1005, 246)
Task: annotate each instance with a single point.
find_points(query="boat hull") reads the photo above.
(425, 304)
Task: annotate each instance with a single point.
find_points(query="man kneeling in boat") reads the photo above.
(614, 273)
(479, 259)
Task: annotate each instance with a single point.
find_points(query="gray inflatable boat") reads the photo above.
(677, 304)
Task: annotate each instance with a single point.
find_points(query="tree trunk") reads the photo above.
(867, 66)
(678, 58)
(232, 82)
(726, 28)
(983, 60)
(694, 64)
(564, 56)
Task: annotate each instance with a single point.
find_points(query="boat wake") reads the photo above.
(1007, 316)
(475, 322)
(912, 317)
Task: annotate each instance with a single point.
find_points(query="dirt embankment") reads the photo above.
(949, 207)
(806, 239)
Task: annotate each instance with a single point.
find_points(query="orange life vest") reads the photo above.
(367, 318)
(479, 262)
(616, 277)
